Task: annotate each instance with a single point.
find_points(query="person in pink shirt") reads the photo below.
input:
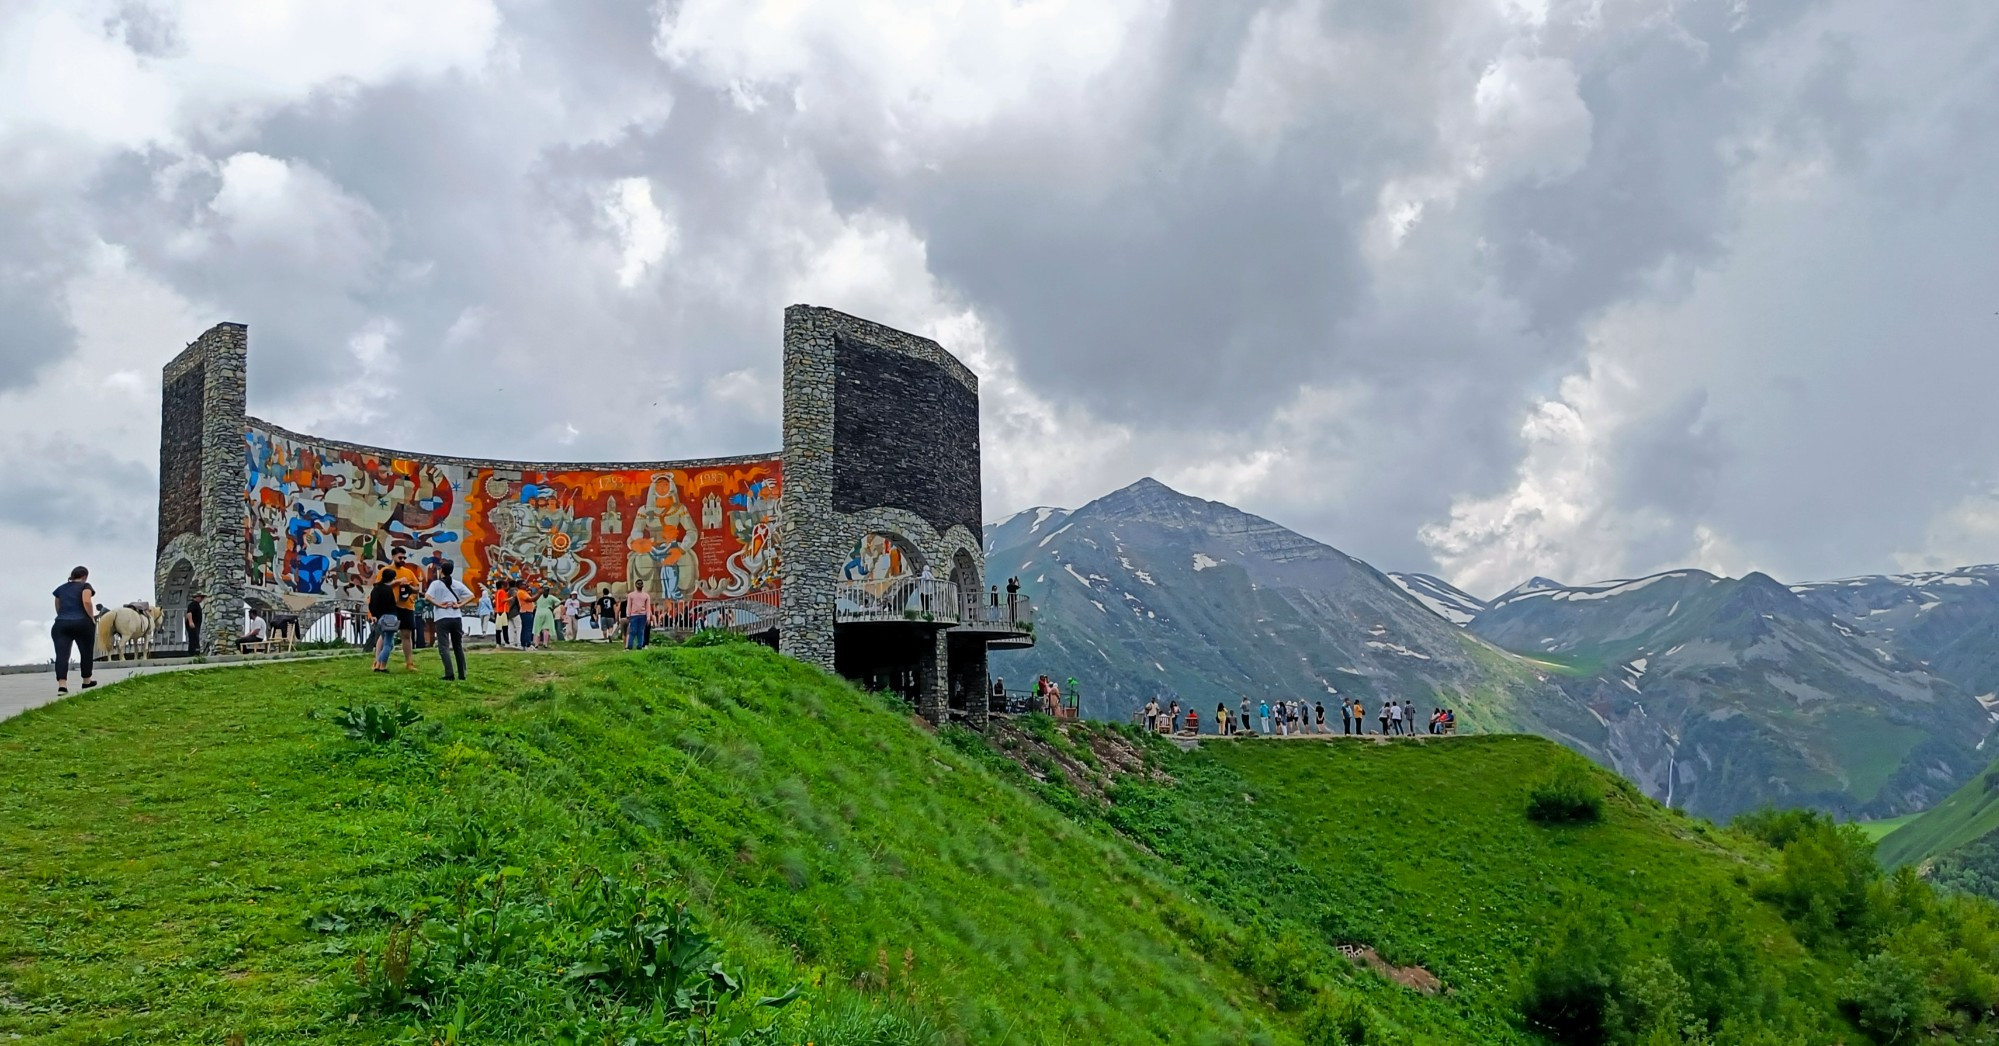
(638, 618)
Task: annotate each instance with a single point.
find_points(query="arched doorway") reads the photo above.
(175, 593)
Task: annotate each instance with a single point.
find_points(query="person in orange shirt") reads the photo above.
(408, 582)
(503, 605)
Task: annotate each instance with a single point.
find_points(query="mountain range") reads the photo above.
(1866, 697)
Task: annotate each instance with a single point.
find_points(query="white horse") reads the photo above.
(128, 629)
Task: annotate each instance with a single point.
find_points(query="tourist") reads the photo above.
(485, 609)
(1054, 699)
(524, 613)
(503, 612)
(1242, 716)
(1346, 718)
(995, 597)
(1173, 714)
(1298, 718)
(257, 631)
(192, 621)
(999, 695)
(382, 610)
(448, 597)
(1074, 693)
(75, 626)
(1012, 599)
(638, 619)
(1151, 714)
(1263, 717)
(1193, 722)
(606, 612)
(1319, 708)
(1384, 717)
(1359, 719)
(545, 609)
(407, 583)
(1221, 719)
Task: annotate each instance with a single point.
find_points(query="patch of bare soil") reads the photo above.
(1414, 978)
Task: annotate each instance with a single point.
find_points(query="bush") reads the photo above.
(1572, 987)
(1887, 995)
(1570, 795)
(714, 637)
(1340, 1021)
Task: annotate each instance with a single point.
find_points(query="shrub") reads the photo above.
(374, 724)
(1570, 795)
(1887, 995)
(1573, 986)
(1340, 1021)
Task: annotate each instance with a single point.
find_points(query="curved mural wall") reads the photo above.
(319, 514)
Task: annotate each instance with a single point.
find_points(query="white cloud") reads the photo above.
(644, 232)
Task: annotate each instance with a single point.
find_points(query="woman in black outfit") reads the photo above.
(382, 610)
(76, 623)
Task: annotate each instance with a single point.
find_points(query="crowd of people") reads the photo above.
(1295, 719)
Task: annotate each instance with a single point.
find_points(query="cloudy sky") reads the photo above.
(1489, 288)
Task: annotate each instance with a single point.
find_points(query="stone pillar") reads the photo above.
(808, 537)
(933, 698)
(203, 417)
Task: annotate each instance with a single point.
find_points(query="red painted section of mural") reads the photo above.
(679, 533)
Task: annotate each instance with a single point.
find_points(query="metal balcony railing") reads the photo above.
(897, 599)
(1016, 613)
(744, 615)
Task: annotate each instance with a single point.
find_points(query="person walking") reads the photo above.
(607, 614)
(75, 625)
(407, 585)
(192, 621)
(544, 620)
(382, 610)
(448, 597)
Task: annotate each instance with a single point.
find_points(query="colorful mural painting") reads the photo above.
(877, 557)
(319, 517)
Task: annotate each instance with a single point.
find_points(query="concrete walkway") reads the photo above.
(20, 691)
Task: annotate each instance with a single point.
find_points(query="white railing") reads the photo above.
(897, 599)
(745, 615)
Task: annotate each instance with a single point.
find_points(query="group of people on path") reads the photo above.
(1294, 718)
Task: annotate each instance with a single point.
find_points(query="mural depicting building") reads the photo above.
(856, 547)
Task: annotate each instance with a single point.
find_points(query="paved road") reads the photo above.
(21, 691)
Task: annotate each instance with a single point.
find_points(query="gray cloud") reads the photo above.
(1324, 259)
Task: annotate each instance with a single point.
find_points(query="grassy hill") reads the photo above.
(1956, 842)
(715, 844)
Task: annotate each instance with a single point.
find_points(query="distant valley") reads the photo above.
(1866, 697)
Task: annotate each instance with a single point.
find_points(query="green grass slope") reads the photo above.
(716, 844)
(1956, 842)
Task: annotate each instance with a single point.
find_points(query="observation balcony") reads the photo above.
(1007, 623)
(900, 600)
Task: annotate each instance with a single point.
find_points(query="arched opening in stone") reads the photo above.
(175, 594)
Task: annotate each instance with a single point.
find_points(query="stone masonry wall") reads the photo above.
(209, 453)
(863, 457)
